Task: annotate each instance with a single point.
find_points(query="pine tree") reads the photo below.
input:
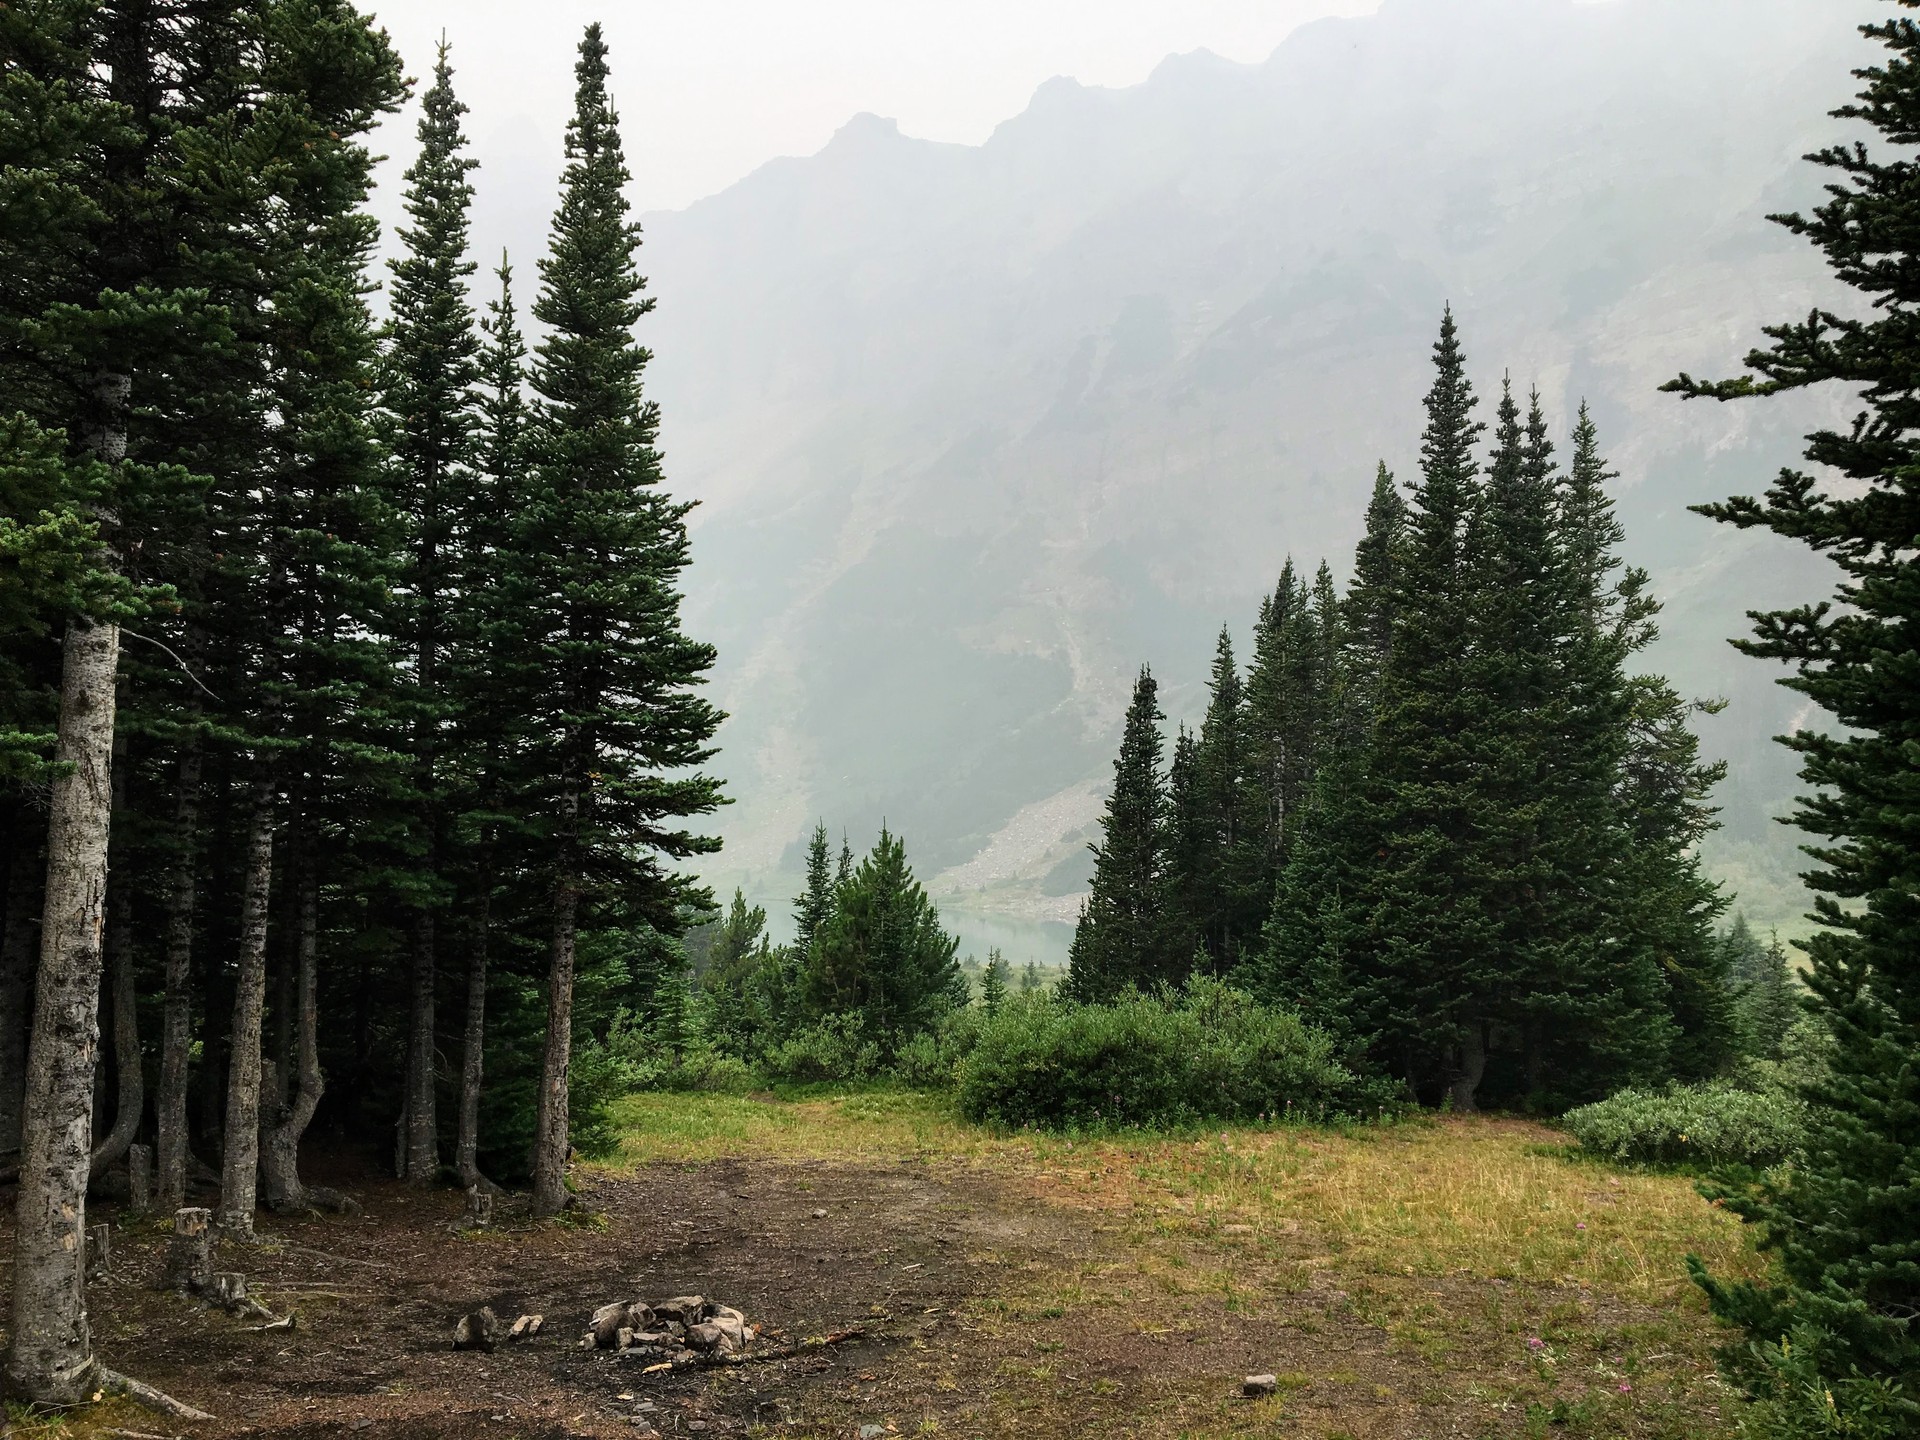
(1371, 603)
(487, 665)
(1224, 866)
(1434, 971)
(883, 956)
(616, 732)
(993, 983)
(814, 905)
(1760, 984)
(1124, 936)
(1193, 857)
(1834, 1343)
(428, 391)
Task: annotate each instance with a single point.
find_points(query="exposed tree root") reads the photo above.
(112, 1382)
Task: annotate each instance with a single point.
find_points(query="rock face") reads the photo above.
(976, 430)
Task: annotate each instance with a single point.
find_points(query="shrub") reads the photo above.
(1692, 1124)
(1173, 1058)
(931, 1060)
(833, 1048)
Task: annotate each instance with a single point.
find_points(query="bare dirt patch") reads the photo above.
(996, 1292)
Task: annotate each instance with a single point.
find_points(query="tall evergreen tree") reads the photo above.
(813, 906)
(883, 955)
(1765, 999)
(1226, 874)
(1124, 936)
(428, 384)
(488, 664)
(1834, 1338)
(1435, 971)
(617, 732)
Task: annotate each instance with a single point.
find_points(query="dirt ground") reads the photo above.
(986, 1308)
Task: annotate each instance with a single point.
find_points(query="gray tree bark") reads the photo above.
(422, 1124)
(19, 958)
(50, 1358)
(240, 1151)
(130, 1085)
(466, 1145)
(550, 1147)
(176, 1015)
(1472, 1067)
(281, 1158)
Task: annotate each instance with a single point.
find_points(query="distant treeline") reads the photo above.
(1439, 814)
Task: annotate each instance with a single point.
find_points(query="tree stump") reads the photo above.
(479, 1208)
(99, 1250)
(190, 1252)
(139, 1179)
(227, 1289)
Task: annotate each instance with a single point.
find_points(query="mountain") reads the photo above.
(977, 430)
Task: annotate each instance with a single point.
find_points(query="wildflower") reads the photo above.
(1581, 1226)
(1534, 1342)
(1625, 1387)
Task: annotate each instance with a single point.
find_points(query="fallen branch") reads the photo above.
(112, 1382)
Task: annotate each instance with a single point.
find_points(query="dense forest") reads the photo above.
(352, 744)
(373, 625)
(1440, 815)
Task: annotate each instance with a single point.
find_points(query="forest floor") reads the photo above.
(1458, 1277)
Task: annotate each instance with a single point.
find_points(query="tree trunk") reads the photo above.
(18, 960)
(240, 1152)
(131, 1095)
(466, 1145)
(550, 1146)
(285, 1189)
(176, 1015)
(1472, 1067)
(51, 1356)
(421, 1120)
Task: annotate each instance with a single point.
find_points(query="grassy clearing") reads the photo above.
(1465, 1273)
(1478, 1197)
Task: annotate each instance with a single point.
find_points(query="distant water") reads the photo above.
(1044, 942)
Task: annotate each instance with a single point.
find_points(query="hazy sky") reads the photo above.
(710, 89)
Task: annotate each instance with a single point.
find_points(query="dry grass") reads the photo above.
(1452, 1276)
(1483, 1197)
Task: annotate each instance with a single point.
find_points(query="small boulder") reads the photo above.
(687, 1309)
(733, 1328)
(1255, 1386)
(607, 1323)
(706, 1338)
(476, 1330)
(526, 1327)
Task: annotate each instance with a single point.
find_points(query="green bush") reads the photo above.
(833, 1048)
(931, 1060)
(1709, 1125)
(1178, 1057)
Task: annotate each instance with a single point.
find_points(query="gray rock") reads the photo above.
(607, 1323)
(1257, 1385)
(476, 1330)
(687, 1309)
(873, 1432)
(706, 1338)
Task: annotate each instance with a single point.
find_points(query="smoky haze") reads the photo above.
(1013, 383)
